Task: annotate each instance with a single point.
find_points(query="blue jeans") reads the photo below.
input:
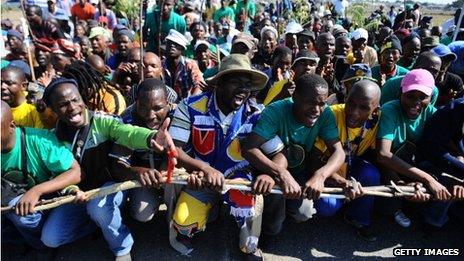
(30, 226)
(71, 222)
(66, 224)
(276, 208)
(106, 213)
(436, 212)
(360, 209)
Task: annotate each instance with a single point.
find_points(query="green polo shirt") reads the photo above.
(395, 126)
(401, 63)
(399, 71)
(226, 12)
(250, 8)
(277, 119)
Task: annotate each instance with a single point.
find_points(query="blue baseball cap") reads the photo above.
(443, 51)
(358, 71)
(22, 65)
(15, 33)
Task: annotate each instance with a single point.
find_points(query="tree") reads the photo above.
(457, 4)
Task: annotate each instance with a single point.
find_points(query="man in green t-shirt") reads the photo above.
(224, 12)
(169, 20)
(401, 125)
(429, 61)
(246, 8)
(49, 164)
(285, 132)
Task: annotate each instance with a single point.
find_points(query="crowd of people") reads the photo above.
(236, 90)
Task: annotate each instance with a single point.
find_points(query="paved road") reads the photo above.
(319, 237)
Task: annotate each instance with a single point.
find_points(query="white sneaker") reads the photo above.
(126, 257)
(402, 219)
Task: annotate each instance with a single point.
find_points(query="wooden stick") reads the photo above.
(142, 77)
(26, 41)
(218, 55)
(451, 176)
(160, 20)
(180, 178)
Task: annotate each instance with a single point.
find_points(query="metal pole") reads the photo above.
(458, 26)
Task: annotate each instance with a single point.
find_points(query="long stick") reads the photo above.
(180, 179)
(218, 54)
(29, 29)
(101, 11)
(26, 41)
(452, 177)
(160, 20)
(91, 194)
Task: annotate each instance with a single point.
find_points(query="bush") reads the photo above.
(130, 9)
(357, 13)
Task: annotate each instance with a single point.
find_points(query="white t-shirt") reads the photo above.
(340, 6)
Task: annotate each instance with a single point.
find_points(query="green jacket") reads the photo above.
(95, 155)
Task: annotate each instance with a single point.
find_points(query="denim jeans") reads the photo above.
(360, 209)
(30, 226)
(144, 203)
(436, 212)
(71, 222)
(66, 224)
(276, 208)
(106, 213)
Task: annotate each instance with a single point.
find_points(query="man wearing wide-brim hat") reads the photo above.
(210, 126)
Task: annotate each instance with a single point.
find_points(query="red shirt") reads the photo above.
(83, 13)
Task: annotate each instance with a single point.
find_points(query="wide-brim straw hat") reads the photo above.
(239, 64)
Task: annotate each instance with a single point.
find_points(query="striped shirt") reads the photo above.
(181, 123)
(42, 3)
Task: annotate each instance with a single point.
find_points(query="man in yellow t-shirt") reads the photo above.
(357, 123)
(13, 83)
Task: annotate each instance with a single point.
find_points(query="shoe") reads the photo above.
(402, 219)
(255, 256)
(185, 240)
(365, 232)
(126, 257)
(430, 231)
(41, 254)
